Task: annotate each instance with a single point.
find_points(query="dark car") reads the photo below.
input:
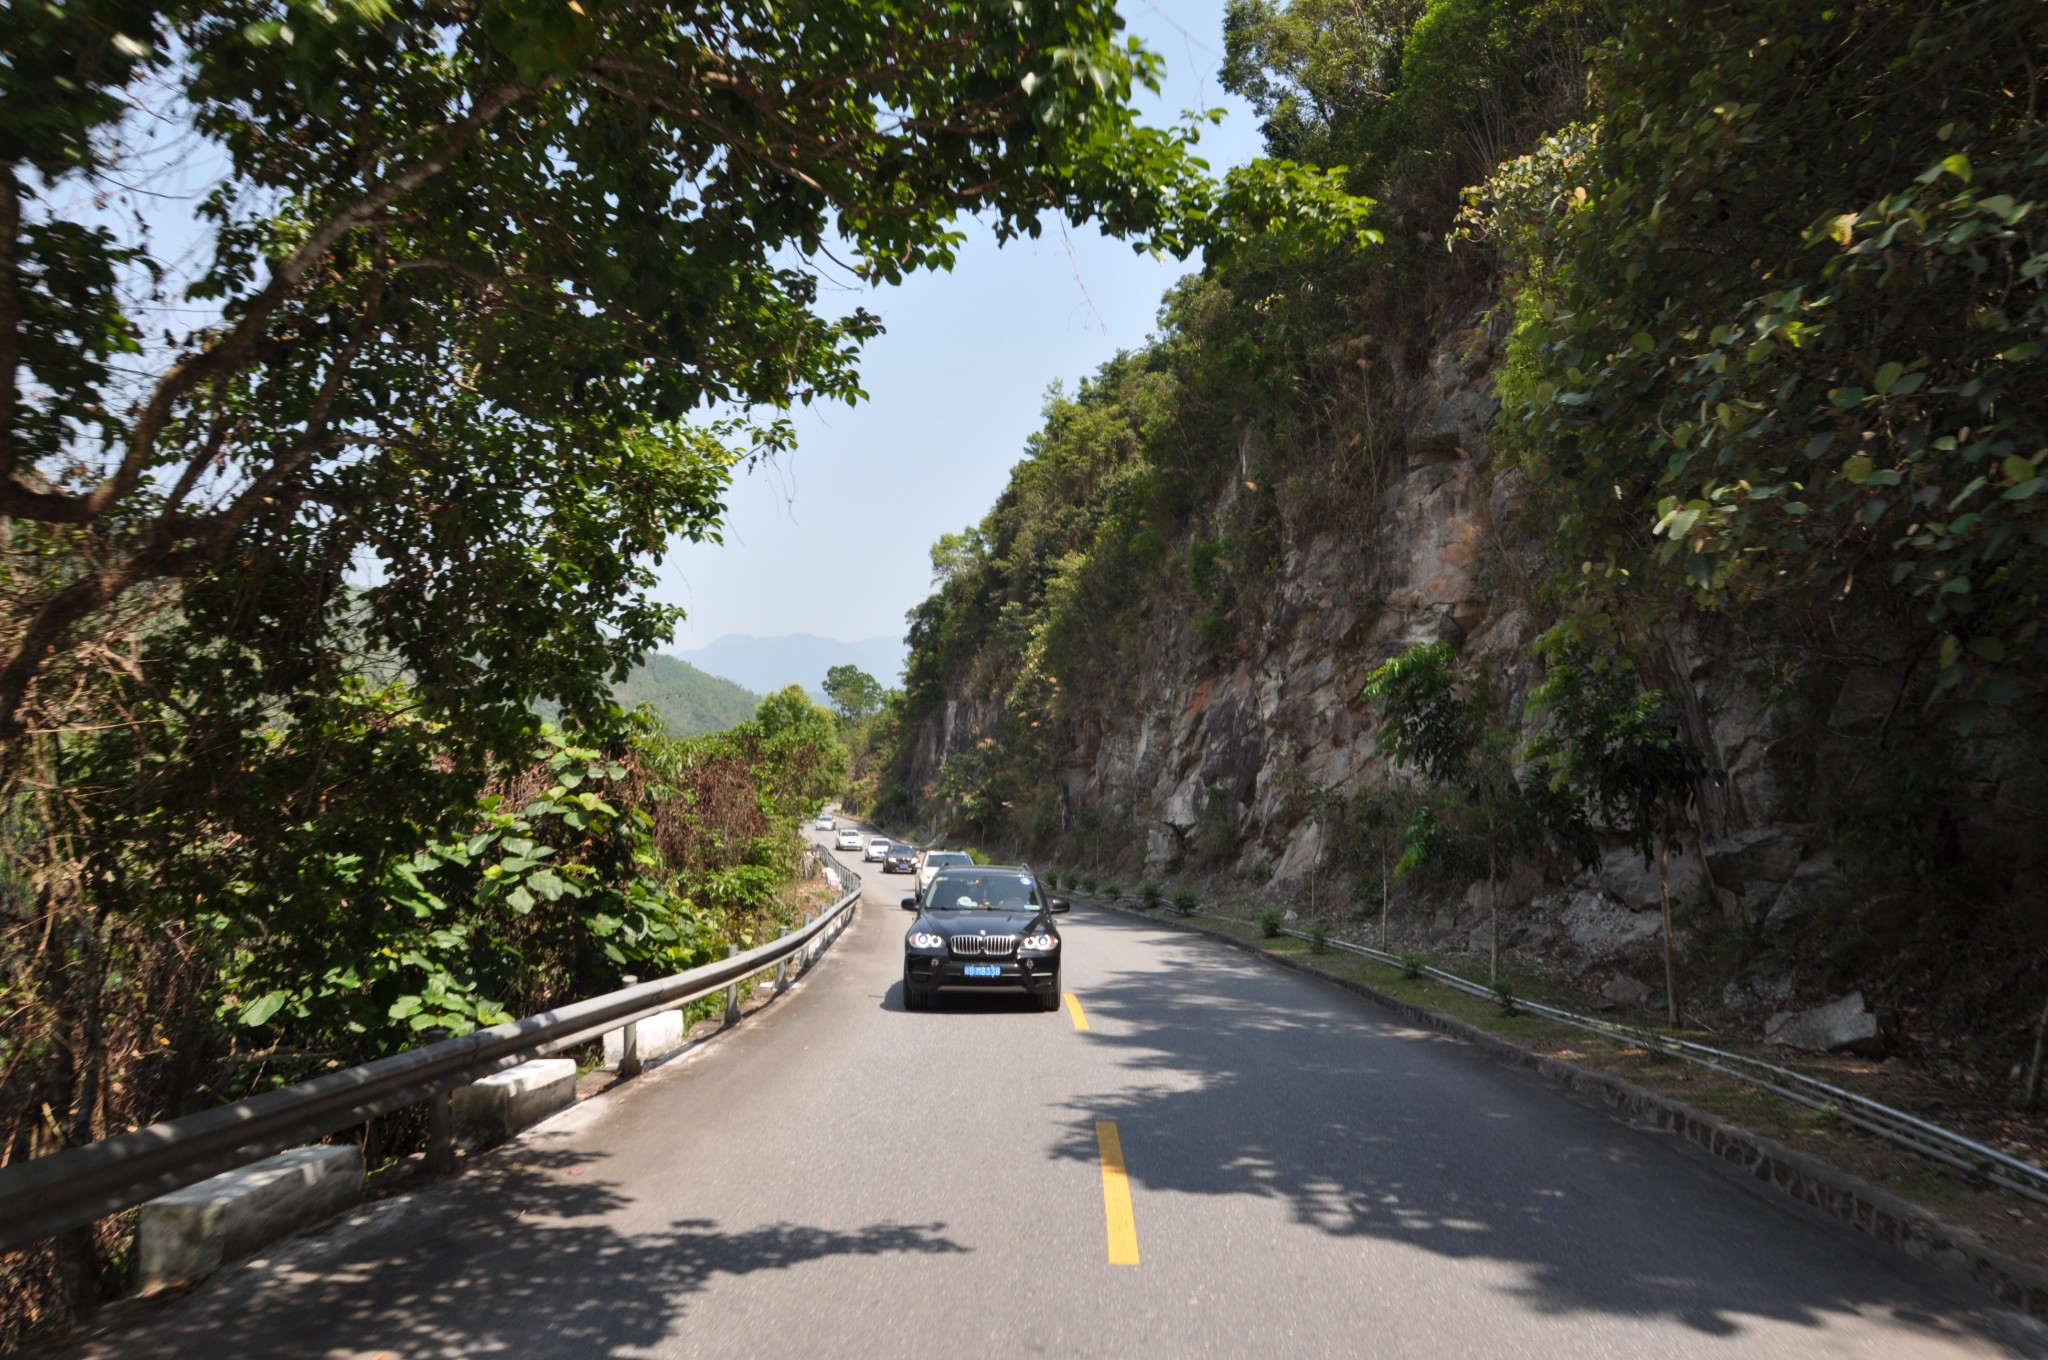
(982, 928)
(901, 859)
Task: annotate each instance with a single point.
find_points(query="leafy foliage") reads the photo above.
(856, 696)
(1427, 722)
(1618, 749)
(1804, 343)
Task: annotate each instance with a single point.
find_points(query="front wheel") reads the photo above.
(1051, 1000)
(914, 998)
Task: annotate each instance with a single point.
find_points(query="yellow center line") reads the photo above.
(1074, 1009)
(1116, 1197)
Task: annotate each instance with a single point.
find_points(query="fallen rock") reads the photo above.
(1764, 854)
(1512, 889)
(1757, 991)
(1626, 991)
(1845, 1026)
(1815, 884)
(1602, 927)
(1627, 879)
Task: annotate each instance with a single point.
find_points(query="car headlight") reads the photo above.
(924, 939)
(1040, 942)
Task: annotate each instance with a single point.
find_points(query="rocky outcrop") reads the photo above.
(1844, 1026)
(1218, 757)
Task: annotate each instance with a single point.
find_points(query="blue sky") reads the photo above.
(833, 538)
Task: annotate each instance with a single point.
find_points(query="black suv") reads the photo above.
(981, 927)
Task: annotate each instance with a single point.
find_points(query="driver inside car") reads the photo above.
(1001, 895)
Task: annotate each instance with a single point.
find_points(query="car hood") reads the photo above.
(951, 923)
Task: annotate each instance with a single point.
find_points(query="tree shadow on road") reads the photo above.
(1244, 1079)
(513, 1266)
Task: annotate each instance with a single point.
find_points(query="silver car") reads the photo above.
(935, 860)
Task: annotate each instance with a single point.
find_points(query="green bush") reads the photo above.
(1411, 966)
(1318, 939)
(1151, 894)
(1184, 900)
(1269, 924)
(1088, 883)
(1112, 890)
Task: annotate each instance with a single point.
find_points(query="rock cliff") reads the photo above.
(1222, 758)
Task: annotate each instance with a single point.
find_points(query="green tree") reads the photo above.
(479, 273)
(854, 693)
(1447, 736)
(1620, 751)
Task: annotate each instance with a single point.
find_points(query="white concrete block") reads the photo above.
(505, 1102)
(659, 1034)
(188, 1234)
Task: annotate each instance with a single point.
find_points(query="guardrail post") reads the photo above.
(629, 1039)
(440, 1124)
(782, 968)
(732, 992)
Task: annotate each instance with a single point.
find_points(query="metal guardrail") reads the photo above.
(52, 1194)
(1895, 1126)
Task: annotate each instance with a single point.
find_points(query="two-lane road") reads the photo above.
(1301, 1175)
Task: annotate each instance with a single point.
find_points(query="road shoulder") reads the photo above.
(1782, 1173)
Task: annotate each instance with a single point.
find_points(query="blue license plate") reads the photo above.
(983, 970)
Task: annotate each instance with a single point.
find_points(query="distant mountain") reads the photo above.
(689, 701)
(766, 664)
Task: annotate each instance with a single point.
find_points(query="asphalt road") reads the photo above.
(1302, 1175)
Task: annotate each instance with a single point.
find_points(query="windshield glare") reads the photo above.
(982, 892)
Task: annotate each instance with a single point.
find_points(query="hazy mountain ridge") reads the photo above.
(766, 664)
(690, 701)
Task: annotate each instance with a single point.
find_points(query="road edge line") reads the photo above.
(1120, 1221)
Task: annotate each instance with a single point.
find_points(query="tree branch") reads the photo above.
(10, 318)
(228, 352)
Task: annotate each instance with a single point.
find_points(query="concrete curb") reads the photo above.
(1813, 1184)
(189, 1234)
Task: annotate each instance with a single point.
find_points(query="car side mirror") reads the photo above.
(1057, 905)
(910, 904)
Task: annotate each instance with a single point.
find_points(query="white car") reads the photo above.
(849, 839)
(825, 822)
(935, 860)
(878, 849)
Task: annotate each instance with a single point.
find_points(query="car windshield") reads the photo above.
(969, 891)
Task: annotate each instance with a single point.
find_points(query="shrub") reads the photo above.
(1184, 901)
(1112, 890)
(1269, 923)
(1504, 996)
(1318, 939)
(1088, 883)
(1411, 966)
(1151, 894)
